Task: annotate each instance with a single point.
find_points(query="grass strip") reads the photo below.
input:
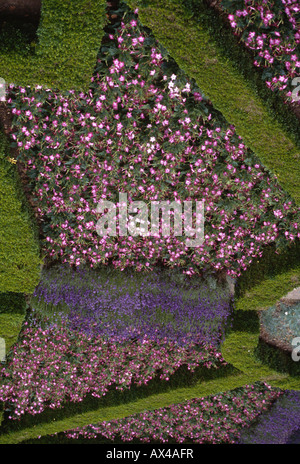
(269, 291)
(152, 402)
(10, 326)
(20, 261)
(239, 350)
(69, 36)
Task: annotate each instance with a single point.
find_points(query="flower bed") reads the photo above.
(270, 29)
(50, 367)
(143, 130)
(213, 420)
(124, 305)
(278, 424)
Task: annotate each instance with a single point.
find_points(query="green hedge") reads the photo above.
(240, 349)
(20, 261)
(12, 303)
(277, 359)
(69, 36)
(268, 278)
(197, 39)
(10, 327)
(270, 264)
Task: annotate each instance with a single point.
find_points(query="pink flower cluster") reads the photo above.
(213, 420)
(50, 367)
(263, 26)
(147, 132)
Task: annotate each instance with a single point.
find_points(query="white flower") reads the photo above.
(187, 88)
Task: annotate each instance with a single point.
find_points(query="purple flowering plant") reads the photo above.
(278, 424)
(125, 305)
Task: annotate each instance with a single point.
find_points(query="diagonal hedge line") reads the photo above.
(240, 350)
(268, 278)
(189, 36)
(269, 291)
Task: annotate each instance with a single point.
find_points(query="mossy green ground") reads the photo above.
(10, 326)
(269, 291)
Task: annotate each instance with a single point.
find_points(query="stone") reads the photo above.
(292, 298)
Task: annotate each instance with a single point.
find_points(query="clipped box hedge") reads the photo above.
(69, 37)
(207, 51)
(268, 278)
(20, 261)
(12, 303)
(277, 359)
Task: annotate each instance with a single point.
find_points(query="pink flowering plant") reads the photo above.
(144, 129)
(53, 366)
(271, 30)
(215, 419)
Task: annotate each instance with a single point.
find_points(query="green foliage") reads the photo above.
(69, 37)
(244, 321)
(193, 37)
(268, 278)
(272, 262)
(240, 186)
(20, 261)
(269, 291)
(277, 359)
(240, 350)
(13, 303)
(17, 36)
(10, 326)
(63, 59)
